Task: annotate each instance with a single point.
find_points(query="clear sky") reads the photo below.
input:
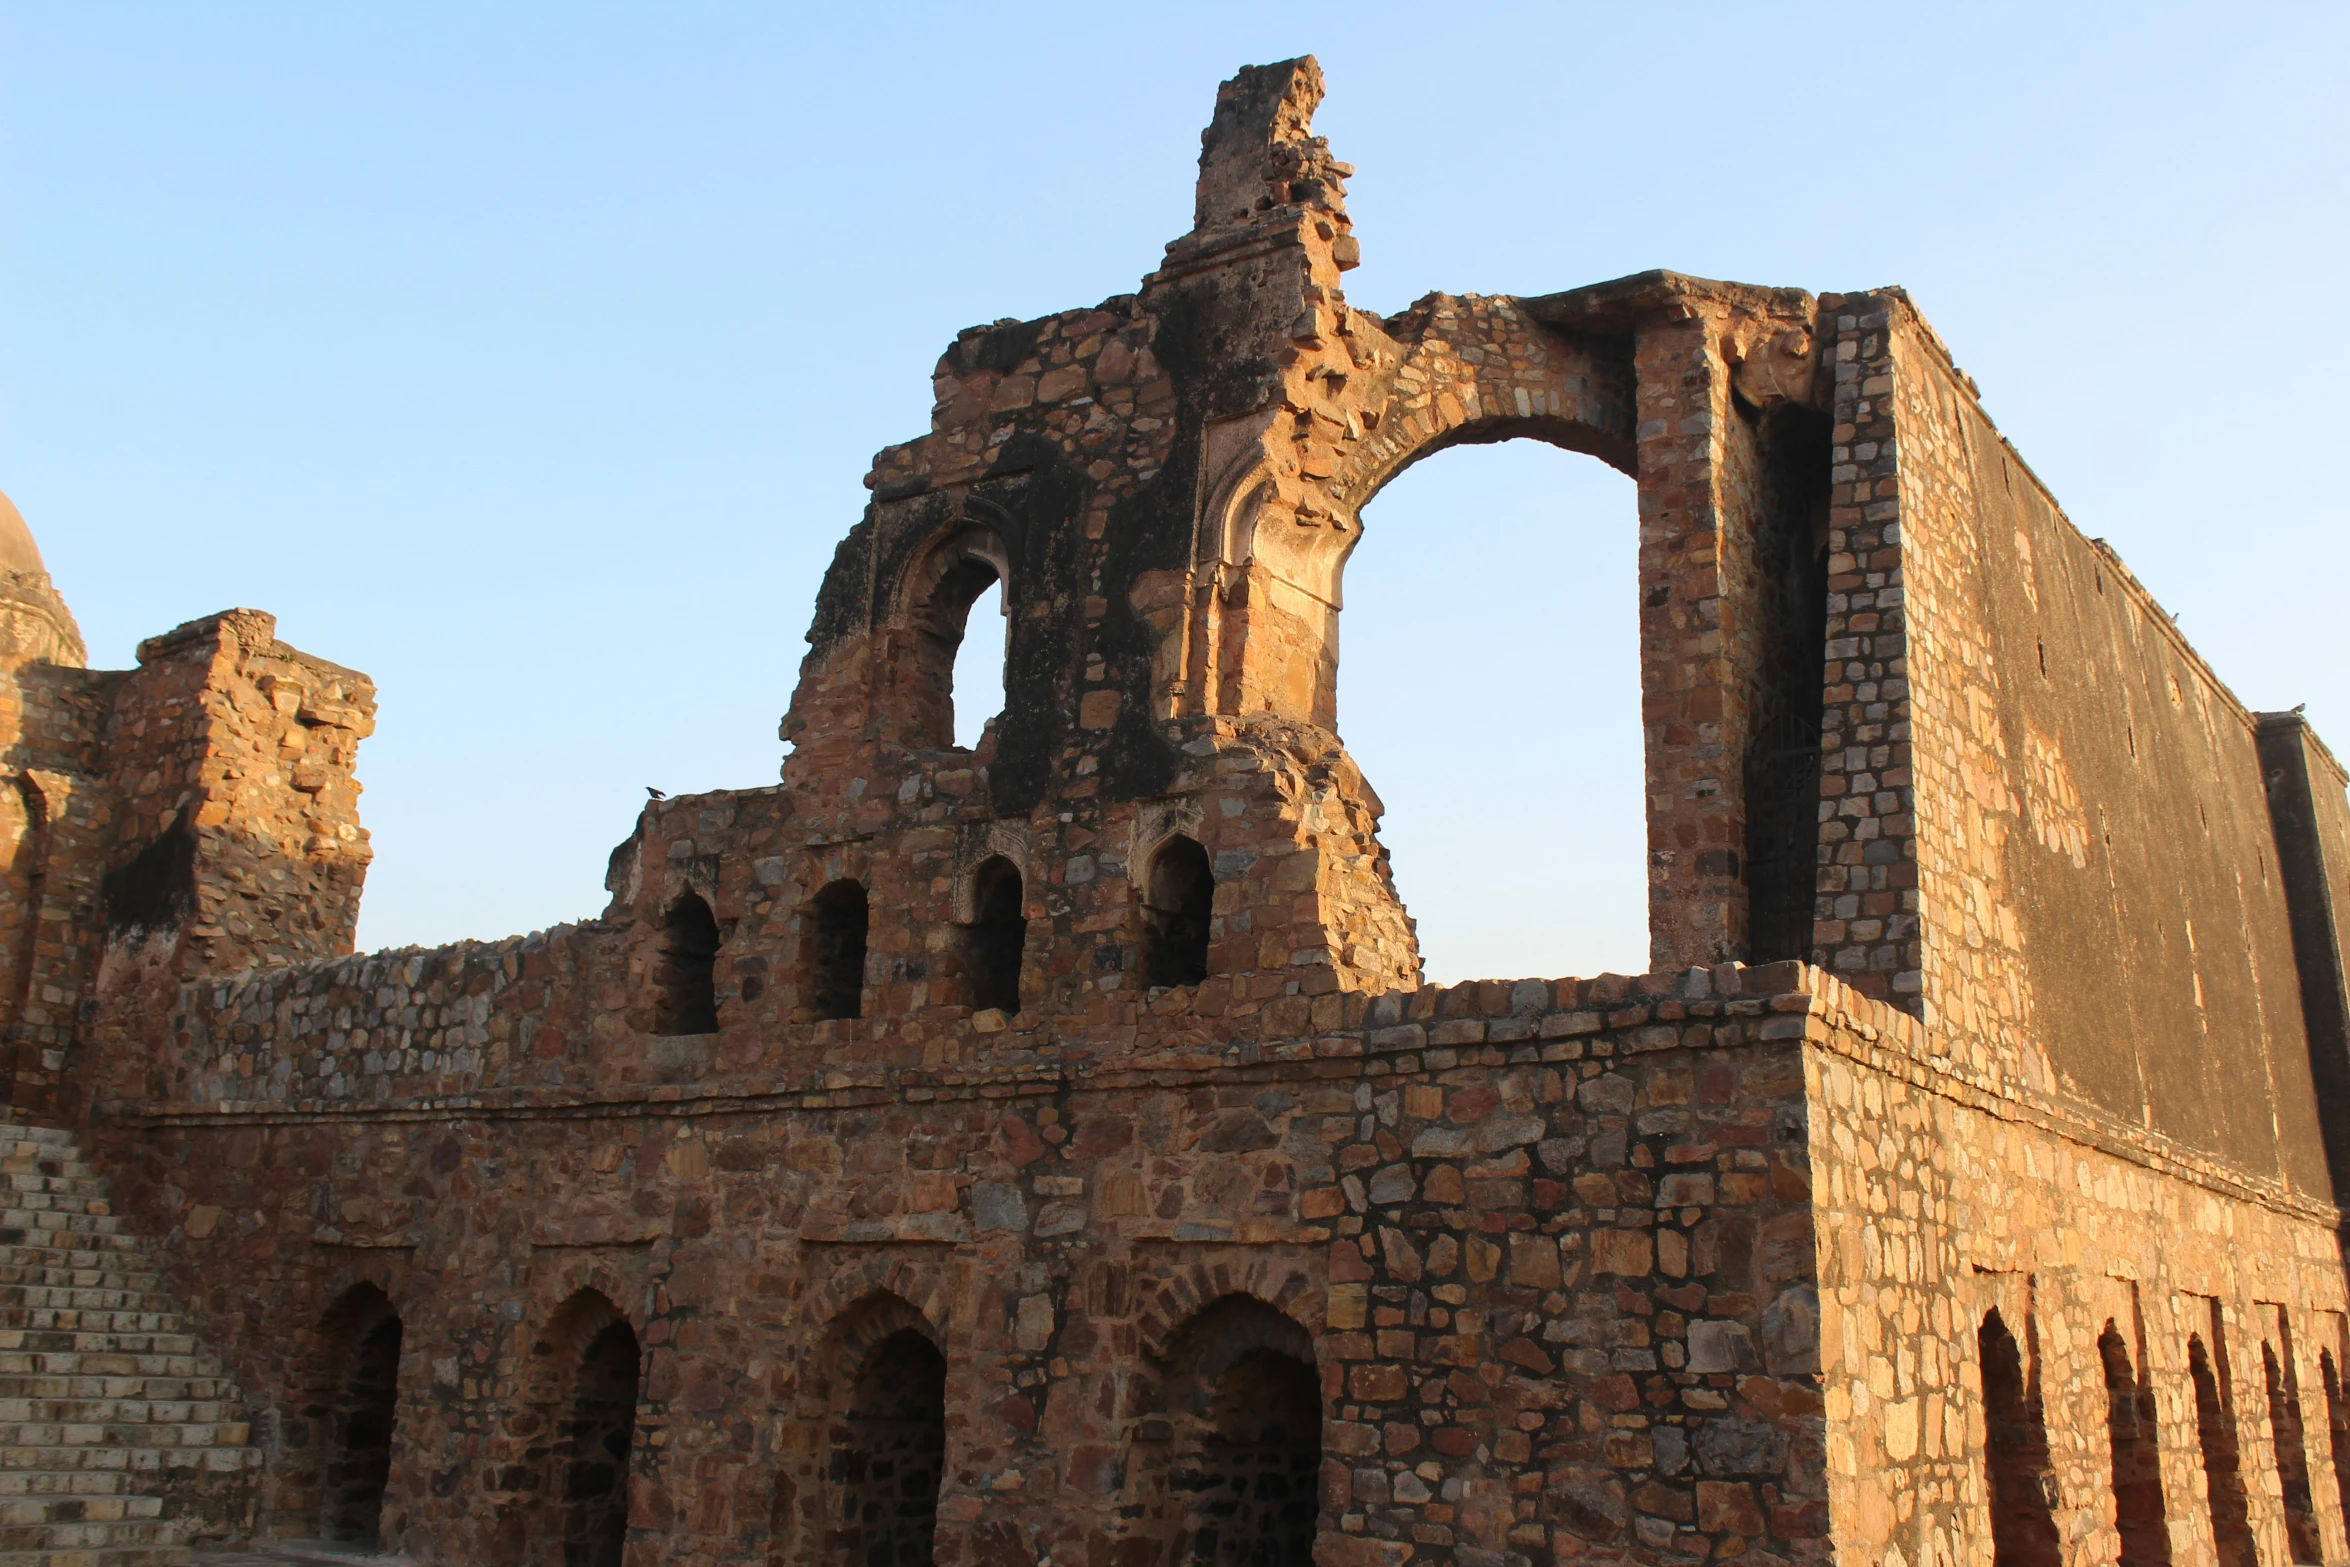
(530, 357)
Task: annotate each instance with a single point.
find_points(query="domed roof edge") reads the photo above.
(18, 552)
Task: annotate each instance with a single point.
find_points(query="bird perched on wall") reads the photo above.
(654, 793)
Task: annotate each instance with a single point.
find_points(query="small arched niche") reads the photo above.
(832, 952)
(1178, 909)
(685, 987)
(2134, 1440)
(995, 940)
(953, 683)
(2292, 1455)
(2223, 1470)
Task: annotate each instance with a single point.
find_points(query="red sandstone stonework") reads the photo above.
(1048, 1152)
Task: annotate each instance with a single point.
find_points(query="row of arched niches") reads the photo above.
(1178, 894)
(1224, 1465)
(1223, 1440)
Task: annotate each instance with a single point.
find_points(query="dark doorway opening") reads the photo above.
(360, 1421)
(2023, 1516)
(836, 952)
(1179, 900)
(888, 1454)
(997, 935)
(1251, 1495)
(598, 1433)
(2284, 1425)
(2223, 1474)
(2138, 1514)
(684, 978)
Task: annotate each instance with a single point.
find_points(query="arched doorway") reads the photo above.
(1243, 1465)
(595, 1361)
(1489, 688)
(888, 1452)
(364, 1333)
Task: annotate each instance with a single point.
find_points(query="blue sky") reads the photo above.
(530, 357)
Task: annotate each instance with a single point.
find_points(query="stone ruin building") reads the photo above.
(1047, 1152)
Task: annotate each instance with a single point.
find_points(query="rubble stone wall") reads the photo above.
(1549, 1242)
(1938, 1203)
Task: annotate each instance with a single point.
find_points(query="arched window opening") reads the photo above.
(1246, 1408)
(684, 978)
(2337, 1425)
(2284, 1425)
(2023, 1501)
(888, 1452)
(997, 935)
(2138, 1513)
(2223, 1474)
(365, 1403)
(958, 607)
(978, 693)
(834, 952)
(1178, 905)
(599, 1430)
(1492, 654)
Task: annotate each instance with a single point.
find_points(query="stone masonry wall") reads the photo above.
(2101, 913)
(1550, 1240)
(1939, 1203)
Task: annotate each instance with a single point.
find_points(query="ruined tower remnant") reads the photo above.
(1047, 1151)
